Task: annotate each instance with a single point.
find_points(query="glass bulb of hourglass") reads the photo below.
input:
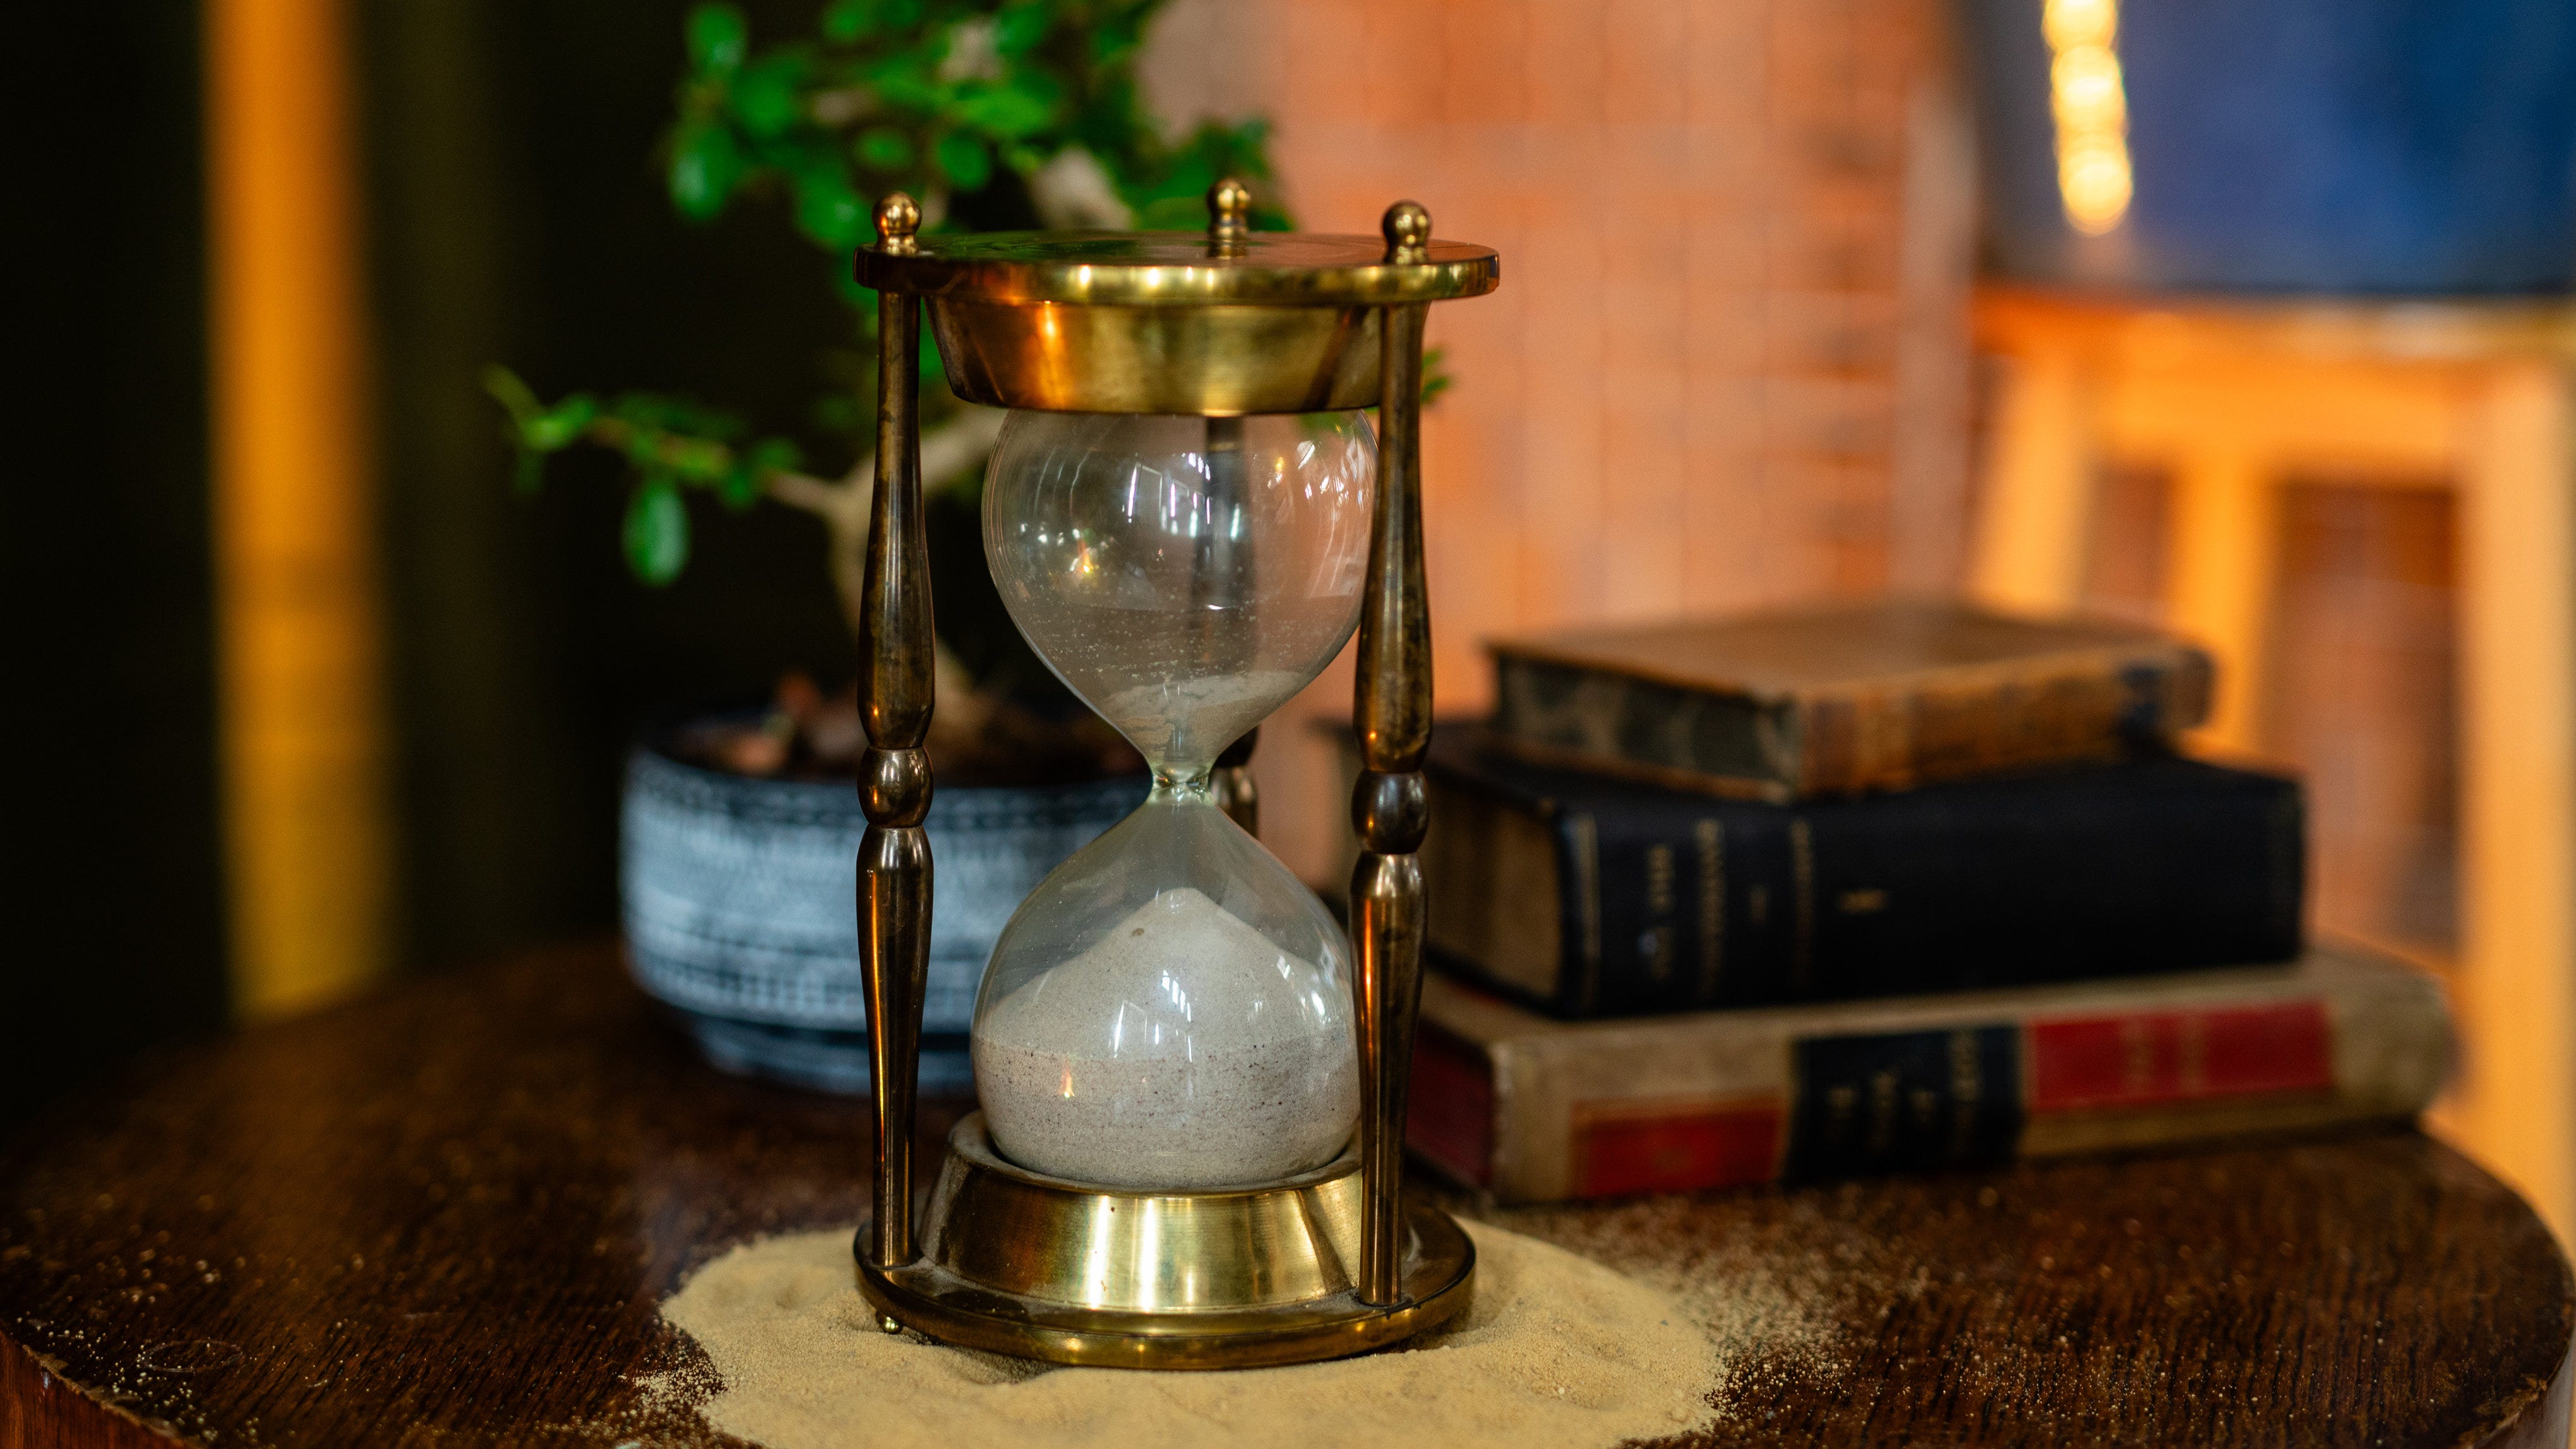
(1171, 1007)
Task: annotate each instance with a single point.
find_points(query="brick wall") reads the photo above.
(1727, 363)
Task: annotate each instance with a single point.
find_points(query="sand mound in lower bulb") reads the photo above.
(1182, 1049)
(1557, 1350)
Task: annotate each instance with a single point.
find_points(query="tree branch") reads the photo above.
(947, 455)
(831, 501)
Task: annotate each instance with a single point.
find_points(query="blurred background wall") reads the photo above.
(1728, 362)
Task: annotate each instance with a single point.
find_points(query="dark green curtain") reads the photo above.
(108, 835)
(517, 214)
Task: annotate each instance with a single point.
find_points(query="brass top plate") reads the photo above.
(1176, 269)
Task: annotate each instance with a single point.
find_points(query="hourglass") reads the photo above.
(1189, 1153)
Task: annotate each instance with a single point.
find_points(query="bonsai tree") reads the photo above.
(995, 116)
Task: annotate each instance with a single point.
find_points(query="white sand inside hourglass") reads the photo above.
(1189, 720)
(1182, 1050)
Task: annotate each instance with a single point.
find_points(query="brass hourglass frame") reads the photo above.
(1235, 323)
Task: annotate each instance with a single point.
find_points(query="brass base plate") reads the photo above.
(1019, 1263)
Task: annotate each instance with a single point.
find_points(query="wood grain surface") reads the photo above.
(446, 1216)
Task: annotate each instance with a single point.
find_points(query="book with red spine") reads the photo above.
(1534, 1109)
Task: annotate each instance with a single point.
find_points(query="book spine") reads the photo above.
(1539, 1119)
(1692, 905)
(1646, 729)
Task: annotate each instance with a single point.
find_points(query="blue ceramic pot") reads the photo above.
(2353, 146)
(741, 897)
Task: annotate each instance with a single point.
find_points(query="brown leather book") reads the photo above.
(1837, 699)
(1532, 1109)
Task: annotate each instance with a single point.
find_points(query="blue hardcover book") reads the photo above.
(1588, 896)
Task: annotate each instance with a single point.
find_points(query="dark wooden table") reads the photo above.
(446, 1216)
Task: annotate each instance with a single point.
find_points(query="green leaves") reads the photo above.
(717, 39)
(535, 430)
(964, 160)
(884, 148)
(767, 97)
(671, 443)
(706, 166)
(1019, 28)
(749, 478)
(1435, 374)
(1116, 35)
(657, 531)
(849, 20)
(656, 413)
(1169, 189)
(829, 210)
(1022, 107)
(940, 98)
(515, 397)
(562, 425)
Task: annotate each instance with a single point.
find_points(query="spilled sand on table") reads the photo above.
(1557, 1350)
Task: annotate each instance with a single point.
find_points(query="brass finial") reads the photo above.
(1408, 232)
(898, 217)
(1229, 205)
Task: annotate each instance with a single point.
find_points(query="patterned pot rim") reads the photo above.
(653, 767)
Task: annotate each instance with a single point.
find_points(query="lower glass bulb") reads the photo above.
(1170, 1009)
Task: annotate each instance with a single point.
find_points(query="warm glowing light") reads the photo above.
(2094, 180)
(304, 730)
(2091, 107)
(2070, 23)
(2084, 89)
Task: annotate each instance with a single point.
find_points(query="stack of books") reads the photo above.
(1878, 887)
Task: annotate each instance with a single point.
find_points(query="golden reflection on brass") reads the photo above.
(1173, 269)
(1170, 322)
(1018, 1262)
(1211, 361)
(1229, 205)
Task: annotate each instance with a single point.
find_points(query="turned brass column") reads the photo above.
(1391, 710)
(895, 700)
(1229, 204)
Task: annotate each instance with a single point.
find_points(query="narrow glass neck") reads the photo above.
(1173, 789)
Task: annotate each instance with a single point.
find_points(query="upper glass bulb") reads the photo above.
(1184, 575)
